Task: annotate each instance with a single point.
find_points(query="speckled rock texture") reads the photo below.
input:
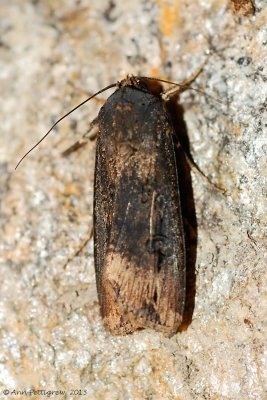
(53, 53)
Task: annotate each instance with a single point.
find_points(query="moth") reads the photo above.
(139, 245)
(138, 229)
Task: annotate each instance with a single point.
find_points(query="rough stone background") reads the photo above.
(51, 334)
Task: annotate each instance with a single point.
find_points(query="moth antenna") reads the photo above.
(64, 116)
(185, 86)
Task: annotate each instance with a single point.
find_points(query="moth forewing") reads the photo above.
(139, 241)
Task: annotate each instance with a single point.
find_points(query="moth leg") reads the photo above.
(183, 85)
(194, 167)
(89, 135)
(81, 247)
(92, 131)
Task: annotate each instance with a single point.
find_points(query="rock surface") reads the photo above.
(51, 334)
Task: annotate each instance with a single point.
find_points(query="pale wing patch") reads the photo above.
(138, 297)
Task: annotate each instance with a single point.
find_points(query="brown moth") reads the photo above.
(138, 229)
